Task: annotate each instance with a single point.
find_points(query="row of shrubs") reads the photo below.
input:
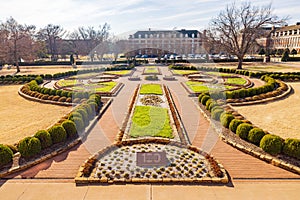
(34, 90)
(8, 79)
(285, 76)
(270, 143)
(69, 127)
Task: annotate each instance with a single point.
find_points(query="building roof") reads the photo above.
(287, 28)
(155, 32)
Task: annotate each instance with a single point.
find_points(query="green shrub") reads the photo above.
(84, 115)
(216, 113)
(243, 130)
(204, 99)
(58, 93)
(70, 128)
(44, 137)
(208, 102)
(58, 134)
(64, 93)
(13, 148)
(271, 144)
(52, 92)
(291, 147)
(255, 135)
(29, 147)
(79, 124)
(74, 114)
(39, 80)
(225, 119)
(200, 96)
(6, 155)
(234, 124)
(212, 105)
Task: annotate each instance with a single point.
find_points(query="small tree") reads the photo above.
(294, 52)
(262, 52)
(279, 52)
(285, 55)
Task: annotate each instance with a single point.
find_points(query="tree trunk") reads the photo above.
(240, 60)
(18, 67)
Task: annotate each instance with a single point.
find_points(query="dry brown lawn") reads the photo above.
(20, 117)
(280, 118)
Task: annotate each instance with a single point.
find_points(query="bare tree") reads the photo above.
(50, 34)
(18, 41)
(237, 28)
(93, 38)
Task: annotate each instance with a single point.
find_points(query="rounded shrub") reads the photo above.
(255, 135)
(70, 128)
(212, 105)
(291, 147)
(58, 93)
(79, 124)
(64, 93)
(44, 137)
(6, 155)
(84, 115)
(271, 144)
(55, 98)
(58, 134)
(204, 99)
(234, 124)
(216, 113)
(243, 130)
(225, 119)
(29, 147)
(62, 99)
(200, 96)
(208, 102)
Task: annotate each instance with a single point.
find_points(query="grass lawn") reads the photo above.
(84, 76)
(219, 74)
(68, 82)
(200, 87)
(20, 117)
(184, 72)
(122, 72)
(151, 89)
(236, 81)
(151, 121)
(97, 87)
(151, 70)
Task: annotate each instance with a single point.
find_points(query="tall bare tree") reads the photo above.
(18, 41)
(50, 34)
(238, 27)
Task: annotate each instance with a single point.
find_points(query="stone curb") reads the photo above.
(61, 149)
(264, 157)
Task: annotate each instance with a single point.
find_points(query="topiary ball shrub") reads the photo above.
(208, 102)
(291, 147)
(243, 130)
(271, 144)
(255, 135)
(6, 155)
(58, 134)
(79, 124)
(216, 113)
(204, 99)
(44, 137)
(29, 147)
(225, 119)
(55, 98)
(62, 99)
(200, 96)
(70, 128)
(84, 115)
(234, 124)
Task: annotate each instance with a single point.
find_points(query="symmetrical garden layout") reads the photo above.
(152, 144)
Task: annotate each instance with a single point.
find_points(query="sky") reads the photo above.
(126, 16)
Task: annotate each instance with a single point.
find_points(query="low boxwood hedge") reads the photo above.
(255, 135)
(6, 155)
(70, 128)
(226, 118)
(29, 147)
(291, 147)
(243, 130)
(271, 144)
(44, 137)
(58, 134)
(234, 124)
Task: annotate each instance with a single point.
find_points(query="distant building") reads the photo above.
(175, 41)
(286, 37)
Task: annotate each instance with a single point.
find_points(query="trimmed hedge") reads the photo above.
(255, 135)
(29, 147)
(216, 113)
(58, 134)
(44, 137)
(243, 130)
(291, 147)
(204, 99)
(6, 155)
(234, 124)
(225, 119)
(70, 128)
(79, 124)
(271, 144)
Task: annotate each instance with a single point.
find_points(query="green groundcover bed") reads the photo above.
(151, 70)
(200, 87)
(97, 87)
(67, 83)
(122, 72)
(236, 81)
(151, 121)
(184, 72)
(151, 89)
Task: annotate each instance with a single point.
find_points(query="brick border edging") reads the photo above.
(91, 161)
(61, 149)
(264, 157)
(266, 100)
